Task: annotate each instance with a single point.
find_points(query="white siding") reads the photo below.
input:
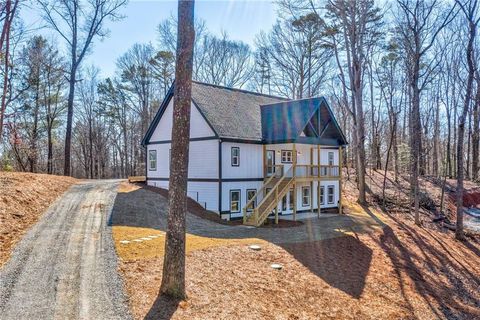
(242, 186)
(251, 161)
(203, 160)
(205, 193)
(198, 126)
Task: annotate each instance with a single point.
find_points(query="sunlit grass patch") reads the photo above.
(155, 247)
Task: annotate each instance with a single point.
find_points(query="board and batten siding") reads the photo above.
(202, 164)
(243, 186)
(199, 128)
(251, 161)
(205, 193)
(203, 157)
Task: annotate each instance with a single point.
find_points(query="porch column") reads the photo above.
(294, 154)
(310, 170)
(340, 153)
(264, 161)
(276, 207)
(319, 175)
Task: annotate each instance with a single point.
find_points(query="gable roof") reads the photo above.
(289, 120)
(244, 115)
(232, 113)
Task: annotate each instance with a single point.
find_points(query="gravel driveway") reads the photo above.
(65, 267)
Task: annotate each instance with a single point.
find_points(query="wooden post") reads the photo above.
(340, 152)
(294, 154)
(310, 174)
(264, 162)
(276, 205)
(319, 175)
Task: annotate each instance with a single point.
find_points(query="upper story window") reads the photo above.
(152, 159)
(235, 156)
(331, 158)
(287, 156)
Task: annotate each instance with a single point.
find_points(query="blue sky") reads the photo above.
(241, 19)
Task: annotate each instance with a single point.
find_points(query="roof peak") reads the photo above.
(239, 90)
(293, 100)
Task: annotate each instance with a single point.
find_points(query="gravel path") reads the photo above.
(65, 267)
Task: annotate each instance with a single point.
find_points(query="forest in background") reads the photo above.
(401, 77)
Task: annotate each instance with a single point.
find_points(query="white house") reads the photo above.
(252, 154)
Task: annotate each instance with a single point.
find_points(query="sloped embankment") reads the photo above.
(23, 199)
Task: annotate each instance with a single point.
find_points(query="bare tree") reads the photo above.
(357, 24)
(173, 278)
(5, 38)
(470, 10)
(78, 23)
(419, 24)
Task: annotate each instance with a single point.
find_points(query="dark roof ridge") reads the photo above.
(294, 100)
(240, 90)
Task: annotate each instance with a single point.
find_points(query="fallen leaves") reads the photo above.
(23, 199)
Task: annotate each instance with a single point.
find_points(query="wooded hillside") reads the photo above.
(400, 75)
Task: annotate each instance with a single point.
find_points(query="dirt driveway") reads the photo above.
(145, 209)
(65, 266)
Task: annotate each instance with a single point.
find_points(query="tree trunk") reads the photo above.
(6, 36)
(68, 131)
(461, 130)
(50, 148)
(476, 132)
(173, 279)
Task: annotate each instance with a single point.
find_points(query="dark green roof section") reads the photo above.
(308, 121)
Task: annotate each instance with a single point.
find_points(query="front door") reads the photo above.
(270, 162)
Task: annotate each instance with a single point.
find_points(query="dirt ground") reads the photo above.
(23, 199)
(399, 271)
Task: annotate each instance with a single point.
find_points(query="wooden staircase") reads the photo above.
(279, 188)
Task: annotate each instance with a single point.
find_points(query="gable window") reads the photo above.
(322, 193)
(234, 201)
(330, 158)
(330, 194)
(235, 156)
(250, 194)
(287, 156)
(152, 160)
(305, 196)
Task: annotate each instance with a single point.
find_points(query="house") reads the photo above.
(252, 154)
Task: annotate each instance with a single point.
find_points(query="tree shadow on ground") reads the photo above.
(436, 274)
(341, 262)
(163, 308)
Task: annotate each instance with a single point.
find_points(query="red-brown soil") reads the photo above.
(400, 272)
(23, 199)
(403, 272)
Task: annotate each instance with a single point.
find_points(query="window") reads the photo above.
(330, 195)
(250, 194)
(305, 196)
(152, 159)
(234, 201)
(235, 156)
(287, 156)
(330, 158)
(322, 193)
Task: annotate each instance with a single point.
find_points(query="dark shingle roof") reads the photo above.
(232, 113)
(245, 115)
